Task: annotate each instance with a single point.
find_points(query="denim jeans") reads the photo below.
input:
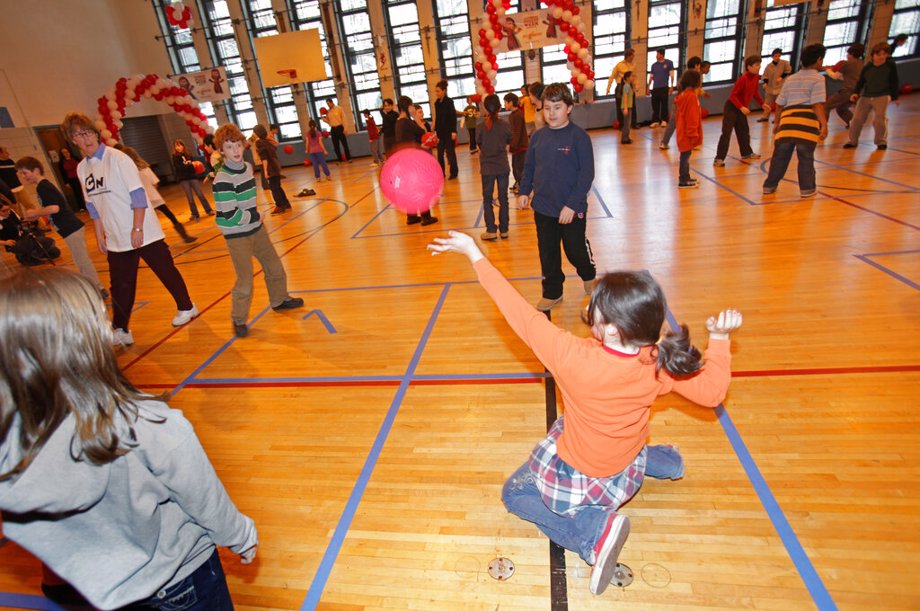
(684, 172)
(488, 188)
(579, 533)
(204, 590)
(192, 187)
(664, 462)
(782, 154)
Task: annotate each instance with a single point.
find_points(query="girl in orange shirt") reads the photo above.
(593, 459)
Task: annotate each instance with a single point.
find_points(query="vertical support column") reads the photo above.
(696, 29)
(283, 20)
(382, 50)
(430, 49)
(335, 42)
(817, 21)
(244, 44)
(203, 50)
(756, 18)
(881, 24)
(640, 24)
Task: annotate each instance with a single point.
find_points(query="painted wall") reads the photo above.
(61, 55)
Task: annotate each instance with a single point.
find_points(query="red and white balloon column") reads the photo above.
(568, 20)
(128, 90)
(489, 39)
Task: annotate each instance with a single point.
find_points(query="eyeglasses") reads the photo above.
(82, 134)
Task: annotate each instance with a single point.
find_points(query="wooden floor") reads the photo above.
(369, 434)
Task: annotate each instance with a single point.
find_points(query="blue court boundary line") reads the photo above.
(800, 559)
(867, 259)
(28, 601)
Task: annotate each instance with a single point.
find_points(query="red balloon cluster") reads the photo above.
(575, 36)
(485, 43)
(179, 15)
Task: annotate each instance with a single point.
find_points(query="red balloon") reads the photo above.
(307, 162)
(478, 66)
(616, 125)
(578, 87)
(574, 80)
(325, 134)
(476, 98)
(906, 88)
(412, 180)
(567, 50)
(288, 149)
(198, 166)
(323, 111)
(486, 83)
(430, 140)
(704, 113)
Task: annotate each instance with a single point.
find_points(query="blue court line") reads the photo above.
(600, 200)
(889, 271)
(335, 545)
(430, 377)
(28, 601)
(721, 186)
(803, 565)
(872, 176)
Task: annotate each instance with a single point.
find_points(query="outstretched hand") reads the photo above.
(456, 242)
(724, 323)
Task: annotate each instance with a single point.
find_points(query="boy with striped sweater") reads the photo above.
(238, 219)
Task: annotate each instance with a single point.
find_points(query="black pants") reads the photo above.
(517, 165)
(281, 199)
(633, 121)
(123, 273)
(550, 232)
(472, 132)
(165, 211)
(734, 120)
(338, 138)
(659, 104)
(447, 145)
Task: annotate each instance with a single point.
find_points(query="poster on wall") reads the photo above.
(533, 30)
(205, 86)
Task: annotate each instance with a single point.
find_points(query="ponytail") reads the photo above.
(492, 106)
(676, 355)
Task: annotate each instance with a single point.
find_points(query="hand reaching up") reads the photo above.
(724, 323)
(456, 242)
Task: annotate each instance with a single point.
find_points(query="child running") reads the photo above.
(689, 119)
(593, 459)
(105, 484)
(238, 219)
(736, 110)
(493, 138)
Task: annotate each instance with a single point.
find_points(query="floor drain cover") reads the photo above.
(501, 569)
(622, 576)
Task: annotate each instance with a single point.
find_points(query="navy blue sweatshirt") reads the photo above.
(559, 169)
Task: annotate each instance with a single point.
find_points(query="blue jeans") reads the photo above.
(782, 154)
(664, 462)
(192, 187)
(203, 590)
(579, 533)
(684, 173)
(488, 188)
(319, 163)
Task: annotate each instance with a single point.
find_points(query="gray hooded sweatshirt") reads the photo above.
(121, 531)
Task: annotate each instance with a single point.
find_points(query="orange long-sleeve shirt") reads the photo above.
(607, 394)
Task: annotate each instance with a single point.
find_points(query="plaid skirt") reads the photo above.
(565, 490)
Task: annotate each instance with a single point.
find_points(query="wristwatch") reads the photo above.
(137, 229)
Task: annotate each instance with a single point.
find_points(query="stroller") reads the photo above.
(30, 244)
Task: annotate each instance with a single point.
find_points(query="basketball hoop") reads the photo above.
(291, 73)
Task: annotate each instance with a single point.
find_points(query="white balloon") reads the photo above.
(112, 104)
(495, 42)
(106, 134)
(116, 115)
(119, 124)
(196, 120)
(500, 12)
(100, 124)
(557, 12)
(147, 93)
(490, 34)
(492, 75)
(589, 85)
(567, 15)
(486, 66)
(111, 142)
(170, 100)
(580, 25)
(582, 53)
(582, 78)
(575, 47)
(570, 41)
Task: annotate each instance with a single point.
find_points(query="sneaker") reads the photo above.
(211, 213)
(193, 219)
(769, 190)
(476, 152)
(808, 193)
(719, 163)
(662, 146)
(428, 220)
(653, 124)
(188, 239)
(289, 303)
(240, 329)
(413, 219)
(589, 287)
(184, 316)
(122, 338)
(687, 184)
(882, 147)
(306, 193)
(627, 141)
(503, 235)
(545, 305)
(751, 156)
(489, 236)
(279, 210)
(849, 145)
(607, 551)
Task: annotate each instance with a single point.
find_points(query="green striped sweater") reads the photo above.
(235, 199)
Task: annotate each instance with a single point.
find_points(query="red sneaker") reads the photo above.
(606, 552)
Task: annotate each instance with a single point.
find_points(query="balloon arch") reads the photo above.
(567, 18)
(128, 90)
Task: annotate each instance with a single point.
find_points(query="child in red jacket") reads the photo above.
(689, 118)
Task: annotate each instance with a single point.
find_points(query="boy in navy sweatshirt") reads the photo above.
(559, 171)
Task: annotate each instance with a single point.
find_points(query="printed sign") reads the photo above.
(205, 86)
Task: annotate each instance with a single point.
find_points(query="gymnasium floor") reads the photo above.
(369, 434)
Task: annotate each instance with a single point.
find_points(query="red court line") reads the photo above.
(763, 373)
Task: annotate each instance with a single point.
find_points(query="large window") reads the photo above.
(219, 32)
(611, 34)
(182, 54)
(783, 27)
(455, 50)
(406, 51)
(846, 24)
(666, 26)
(906, 20)
(723, 39)
(305, 15)
(279, 101)
(360, 56)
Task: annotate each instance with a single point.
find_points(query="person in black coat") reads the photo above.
(445, 126)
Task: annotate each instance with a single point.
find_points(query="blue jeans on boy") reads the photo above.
(319, 161)
(488, 189)
(782, 154)
(664, 462)
(684, 171)
(203, 590)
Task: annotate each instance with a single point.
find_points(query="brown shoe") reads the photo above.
(545, 305)
(589, 287)
(489, 236)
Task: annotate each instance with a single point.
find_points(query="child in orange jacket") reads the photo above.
(689, 119)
